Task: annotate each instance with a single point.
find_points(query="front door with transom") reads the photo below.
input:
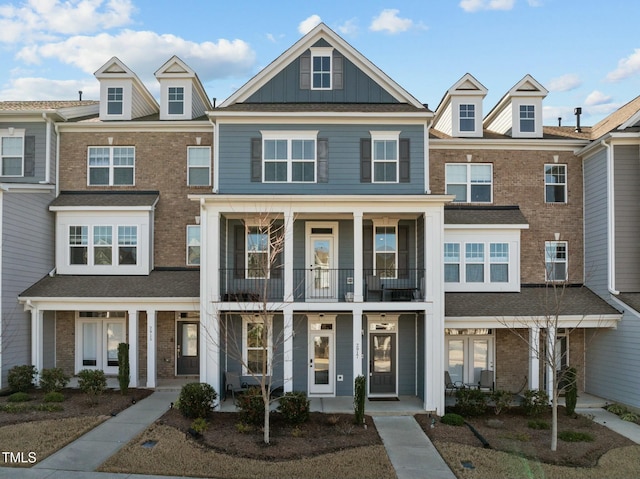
(382, 359)
(187, 348)
(321, 279)
(321, 357)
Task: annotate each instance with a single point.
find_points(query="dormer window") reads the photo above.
(467, 117)
(115, 100)
(176, 100)
(527, 118)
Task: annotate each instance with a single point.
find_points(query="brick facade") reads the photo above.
(166, 344)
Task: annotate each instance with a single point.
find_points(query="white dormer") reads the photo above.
(122, 94)
(182, 96)
(519, 112)
(460, 111)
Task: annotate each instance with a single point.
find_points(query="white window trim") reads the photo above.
(460, 118)
(12, 133)
(469, 182)
(189, 227)
(565, 262)
(115, 245)
(189, 148)
(557, 184)
(289, 136)
(248, 227)
(111, 166)
(246, 319)
(385, 223)
(467, 345)
(101, 343)
(169, 101)
(527, 119)
(322, 52)
(385, 136)
(108, 102)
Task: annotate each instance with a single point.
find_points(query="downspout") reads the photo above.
(611, 230)
(427, 186)
(214, 157)
(57, 182)
(47, 151)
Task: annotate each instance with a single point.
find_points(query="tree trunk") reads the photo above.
(554, 410)
(266, 437)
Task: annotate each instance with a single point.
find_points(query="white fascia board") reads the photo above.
(110, 304)
(635, 118)
(506, 144)
(103, 208)
(196, 126)
(486, 226)
(26, 187)
(507, 322)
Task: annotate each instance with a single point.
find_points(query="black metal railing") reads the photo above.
(246, 286)
(323, 284)
(393, 285)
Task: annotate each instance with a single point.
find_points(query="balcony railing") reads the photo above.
(323, 285)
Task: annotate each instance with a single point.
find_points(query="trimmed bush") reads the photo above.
(501, 400)
(572, 436)
(617, 409)
(294, 407)
(535, 402)
(251, 406)
(199, 425)
(629, 416)
(53, 380)
(571, 391)
(54, 396)
(452, 419)
(359, 399)
(123, 368)
(93, 383)
(196, 400)
(20, 378)
(19, 397)
(470, 402)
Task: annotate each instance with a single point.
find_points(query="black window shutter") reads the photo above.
(305, 71)
(323, 160)
(29, 156)
(365, 160)
(238, 251)
(403, 251)
(367, 250)
(338, 61)
(405, 162)
(277, 249)
(256, 160)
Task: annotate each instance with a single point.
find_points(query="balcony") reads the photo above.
(323, 285)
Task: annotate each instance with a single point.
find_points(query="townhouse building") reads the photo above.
(377, 237)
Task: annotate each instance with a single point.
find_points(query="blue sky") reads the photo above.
(586, 52)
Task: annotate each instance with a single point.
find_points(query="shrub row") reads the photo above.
(21, 379)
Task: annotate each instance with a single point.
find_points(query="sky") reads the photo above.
(585, 52)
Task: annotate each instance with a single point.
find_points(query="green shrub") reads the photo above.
(571, 391)
(53, 380)
(251, 406)
(359, 397)
(294, 407)
(199, 425)
(123, 368)
(196, 400)
(49, 407)
(20, 378)
(538, 424)
(15, 407)
(616, 409)
(470, 402)
(54, 396)
(92, 382)
(572, 436)
(501, 400)
(535, 402)
(452, 419)
(243, 428)
(19, 397)
(629, 416)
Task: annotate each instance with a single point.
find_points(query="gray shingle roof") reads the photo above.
(529, 302)
(323, 107)
(102, 198)
(630, 299)
(158, 284)
(483, 215)
(42, 105)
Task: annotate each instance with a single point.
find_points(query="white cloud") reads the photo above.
(476, 5)
(534, 3)
(389, 21)
(144, 52)
(46, 19)
(33, 88)
(350, 27)
(566, 82)
(627, 67)
(596, 98)
(309, 24)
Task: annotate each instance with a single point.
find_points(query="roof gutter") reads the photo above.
(611, 230)
(47, 149)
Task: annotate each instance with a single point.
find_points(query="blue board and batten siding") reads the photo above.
(344, 161)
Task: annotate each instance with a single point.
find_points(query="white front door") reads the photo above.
(468, 356)
(321, 357)
(321, 278)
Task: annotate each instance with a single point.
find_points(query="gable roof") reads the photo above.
(466, 85)
(115, 68)
(176, 68)
(527, 86)
(321, 31)
(622, 117)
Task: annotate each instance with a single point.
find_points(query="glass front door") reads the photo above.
(467, 357)
(188, 348)
(321, 358)
(382, 365)
(321, 279)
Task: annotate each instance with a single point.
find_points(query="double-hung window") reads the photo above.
(193, 245)
(127, 245)
(12, 154)
(527, 118)
(94, 246)
(474, 259)
(111, 165)
(499, 262)
(199, 165)
(175, 100)
(102, 245)
(556, 260)
(256, 345)
(452, 262)
(470, 183)
(384, 156)
(386, 251)
(115, 100)
(467, 117)
(555, 183)
(321, 69)
(475, 263)
(258, 254)
(289, 157)
(78, 244)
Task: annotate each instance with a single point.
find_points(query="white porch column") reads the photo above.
(288, 349)
(358, 280)
(534, 357)
(133, 348)
(288, 256)
(551, 345)
(151, 348)
(37, 338)
(357, 342)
